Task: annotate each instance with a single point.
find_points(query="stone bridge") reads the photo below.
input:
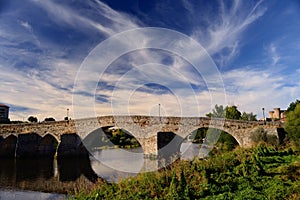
(71, 136)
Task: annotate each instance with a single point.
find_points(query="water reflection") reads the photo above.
(46, 174)
(115, 164)
(70, 169)
(70, 174)
(191, 150)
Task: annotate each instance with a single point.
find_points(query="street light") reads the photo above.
(159, 112)
(67, 113)
(263, 110)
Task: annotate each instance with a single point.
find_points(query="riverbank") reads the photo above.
(258, 173)
(21, 195)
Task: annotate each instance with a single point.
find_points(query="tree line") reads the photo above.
(231, 112)
(292, 120)
(33, 119)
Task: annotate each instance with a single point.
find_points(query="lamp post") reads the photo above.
(263, 110)
(67, 113)
(159, 112)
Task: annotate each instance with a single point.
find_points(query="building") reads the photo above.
(4, 111)
(277, 114)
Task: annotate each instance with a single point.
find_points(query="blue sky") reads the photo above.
(44, 44)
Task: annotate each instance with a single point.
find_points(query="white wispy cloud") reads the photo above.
(272, 51)
(26, 25)
(25, 89)
(112, 21)
(48, 74)
(253, 89)
(49, 81)
(226, 26)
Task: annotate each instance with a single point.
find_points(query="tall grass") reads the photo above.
(258, 173)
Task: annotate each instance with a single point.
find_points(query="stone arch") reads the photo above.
(52, 134)
(220, 129)
(196, 131)
(8, 146)
(48, 146)
(95, 139)
(99, 138)
(28, 144)
(205, 148)
(228, 129)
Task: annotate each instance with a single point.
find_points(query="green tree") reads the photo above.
(49, 119)
(217, 112)
(292, 105)
(231, 112)
(248, 116)
(292, 125)
(32, 119)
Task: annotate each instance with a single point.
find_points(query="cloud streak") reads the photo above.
(223, 36)
(40, 61)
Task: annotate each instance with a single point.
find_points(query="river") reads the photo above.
(53, 178)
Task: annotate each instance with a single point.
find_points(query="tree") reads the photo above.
(292, 105)
(32, 119)
(232, 112)
(292, 125)
(217, 112)
(49, 119)
(248, 116)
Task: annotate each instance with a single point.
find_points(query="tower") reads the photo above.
(4, 112)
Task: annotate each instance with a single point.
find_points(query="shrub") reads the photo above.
(259, 135)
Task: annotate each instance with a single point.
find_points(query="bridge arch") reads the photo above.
(48, 145)
(55, 136)
(110, 136)
(8, 146)
(185, 133)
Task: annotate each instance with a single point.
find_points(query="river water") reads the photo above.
(53, 178)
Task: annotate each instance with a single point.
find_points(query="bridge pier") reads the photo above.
(71, 146)
(149, 145)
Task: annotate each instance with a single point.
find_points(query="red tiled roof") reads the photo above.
(3, 105)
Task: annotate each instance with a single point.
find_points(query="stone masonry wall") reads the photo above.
(144, 128)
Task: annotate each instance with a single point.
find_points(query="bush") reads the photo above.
(292, 125)
(260, 135)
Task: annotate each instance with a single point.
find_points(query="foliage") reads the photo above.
(258, 173)
(199, 135)
(217, 112)
(248, 116)
(260, 135)
(231, 112)
(32, 119)
(293, 105)
(226, 142)
(292, 125)
(49, 119)
(122, 138)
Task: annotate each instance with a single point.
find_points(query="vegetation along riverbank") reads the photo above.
(267, 171)
(264, 172)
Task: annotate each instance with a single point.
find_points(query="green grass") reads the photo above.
(258, 173)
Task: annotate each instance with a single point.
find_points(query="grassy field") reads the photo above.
(262, 172)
